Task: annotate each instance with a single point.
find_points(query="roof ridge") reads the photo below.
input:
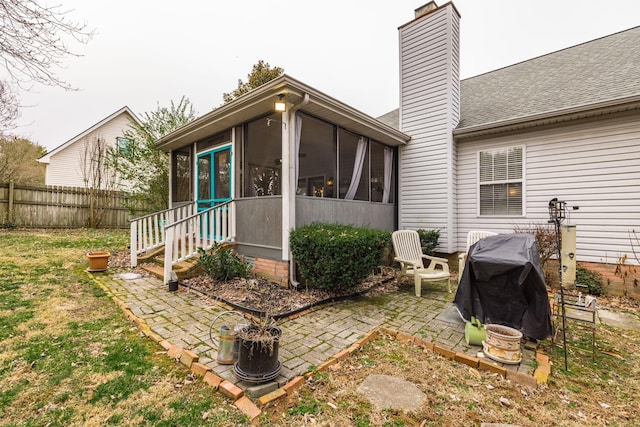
(551, 53)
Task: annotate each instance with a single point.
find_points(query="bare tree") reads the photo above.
(9, 111)
(33, 43)
(99, 180)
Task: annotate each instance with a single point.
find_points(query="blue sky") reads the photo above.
(149, 52)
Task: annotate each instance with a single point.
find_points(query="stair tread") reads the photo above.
(182, 269)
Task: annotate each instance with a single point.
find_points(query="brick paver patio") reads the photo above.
(184, 318)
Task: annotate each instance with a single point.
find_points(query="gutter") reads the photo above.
(590, 110)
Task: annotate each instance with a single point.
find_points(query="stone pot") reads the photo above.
(98, 260)
(502, 344)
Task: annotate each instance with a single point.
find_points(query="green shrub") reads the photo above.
(337, 256)
(429, 240)
(591, 279)
(221, 263)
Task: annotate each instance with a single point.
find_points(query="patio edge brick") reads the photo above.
(467, 360)
(444, 352)
(270, 397)
(212, 379)
(294, 384)
(230, 390)
(199, 369)
(488, 366)
(247, 407)
(174, 352)
(404, 338)
(187, 357)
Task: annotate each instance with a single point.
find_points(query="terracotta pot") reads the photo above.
(98, 261)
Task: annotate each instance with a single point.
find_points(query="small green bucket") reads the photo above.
(474, 332)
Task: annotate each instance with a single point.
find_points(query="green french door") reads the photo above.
(214, 177)
(214, 184)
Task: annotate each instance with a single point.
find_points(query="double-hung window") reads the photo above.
(124, 145)
(501, 181)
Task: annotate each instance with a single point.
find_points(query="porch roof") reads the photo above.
(261, 100)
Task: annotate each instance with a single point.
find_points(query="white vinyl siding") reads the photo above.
(593, 164)
(429, 103)
(65, 166)
(500, 189)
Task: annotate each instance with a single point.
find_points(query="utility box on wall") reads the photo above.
(568, 238)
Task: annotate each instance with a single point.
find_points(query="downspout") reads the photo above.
(294, 186)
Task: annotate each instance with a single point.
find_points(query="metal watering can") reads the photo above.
(474, 332)
(227, 341)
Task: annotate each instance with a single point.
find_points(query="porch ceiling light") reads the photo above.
(281, 104)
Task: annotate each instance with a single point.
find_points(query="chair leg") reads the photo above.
(449, 284)
(418, 282)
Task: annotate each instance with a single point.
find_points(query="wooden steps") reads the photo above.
(153, 263)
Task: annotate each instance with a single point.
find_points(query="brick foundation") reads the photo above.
(277, 271)
(617, 279)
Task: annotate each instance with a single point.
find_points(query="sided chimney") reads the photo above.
(429, 112)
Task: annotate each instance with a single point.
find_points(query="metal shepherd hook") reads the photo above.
(557, 212)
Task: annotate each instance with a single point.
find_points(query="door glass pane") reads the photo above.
(204, 178)
(222, 160)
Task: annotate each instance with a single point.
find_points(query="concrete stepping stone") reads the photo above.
(389, 392)
(620, 320)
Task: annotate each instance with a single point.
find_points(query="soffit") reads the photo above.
(260, 102)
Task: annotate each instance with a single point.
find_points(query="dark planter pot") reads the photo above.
(258, 359)
(173, 285)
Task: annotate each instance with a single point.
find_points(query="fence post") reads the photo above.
(11, 195)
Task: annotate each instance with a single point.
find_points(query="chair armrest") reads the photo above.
(462, 255)
(435, 261)
(404, 261)
(435, 258)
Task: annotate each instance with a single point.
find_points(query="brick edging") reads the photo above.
(540, 376)
(247, 407)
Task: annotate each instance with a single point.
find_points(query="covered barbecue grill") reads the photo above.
(503, 283)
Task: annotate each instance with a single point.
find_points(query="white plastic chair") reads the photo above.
(406, 245)
(472, 237)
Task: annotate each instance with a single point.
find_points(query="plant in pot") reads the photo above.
(259, 338)
(258, 350)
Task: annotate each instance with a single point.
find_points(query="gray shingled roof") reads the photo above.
(600, 70)
(392, 118)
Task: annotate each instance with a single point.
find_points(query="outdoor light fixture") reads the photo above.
(281, 104)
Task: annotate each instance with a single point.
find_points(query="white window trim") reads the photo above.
(523, 180)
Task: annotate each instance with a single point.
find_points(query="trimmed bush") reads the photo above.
(591, 279)
(429, 240)
(337, 256)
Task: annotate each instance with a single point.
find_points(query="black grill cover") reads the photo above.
(503, 283)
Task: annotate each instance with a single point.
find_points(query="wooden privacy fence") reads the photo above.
(62, 207)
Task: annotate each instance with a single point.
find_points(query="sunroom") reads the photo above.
(279, 157)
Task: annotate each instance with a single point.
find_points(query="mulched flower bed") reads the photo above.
(261, 297)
